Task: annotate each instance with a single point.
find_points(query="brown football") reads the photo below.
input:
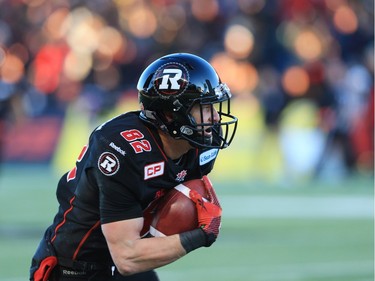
(176, 212)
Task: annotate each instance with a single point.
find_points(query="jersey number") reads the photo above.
(135, 139)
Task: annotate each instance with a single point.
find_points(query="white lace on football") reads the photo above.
(186, 191)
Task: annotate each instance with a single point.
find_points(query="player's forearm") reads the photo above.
(146, 254)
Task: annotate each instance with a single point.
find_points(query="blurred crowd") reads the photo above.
(272, 52)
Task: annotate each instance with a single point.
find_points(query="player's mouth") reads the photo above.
(208, 131)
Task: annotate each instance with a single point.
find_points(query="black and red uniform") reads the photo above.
(118, 173)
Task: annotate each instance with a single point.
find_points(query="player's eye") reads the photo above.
(207, 108)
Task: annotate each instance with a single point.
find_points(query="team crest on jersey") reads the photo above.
(108, 164)
(181, 176)
(171, 79)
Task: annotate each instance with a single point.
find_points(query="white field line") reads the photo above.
(297, 207)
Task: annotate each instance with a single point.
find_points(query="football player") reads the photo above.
(127, 163)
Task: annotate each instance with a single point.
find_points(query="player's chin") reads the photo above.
(206, 136)
(208, 139)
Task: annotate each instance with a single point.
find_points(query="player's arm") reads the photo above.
(131, 254)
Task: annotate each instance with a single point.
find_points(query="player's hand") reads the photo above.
(209, 212)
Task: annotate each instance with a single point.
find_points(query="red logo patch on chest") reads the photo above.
(154, 170)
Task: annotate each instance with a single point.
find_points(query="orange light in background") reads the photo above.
(125, 9)
(241, 77)
(53, 26)
(345, 20)
(77, 65)
(124, 4)
(82, 32)
(226, 68)
(206, 10)
(109, 41)
(295, 81)
(308, 45)
(239, 41)
(142, 22)
(12, 69)
(247, 78)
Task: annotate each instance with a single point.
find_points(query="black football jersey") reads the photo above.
(118, 173)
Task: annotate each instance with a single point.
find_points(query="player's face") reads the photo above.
(205, 114)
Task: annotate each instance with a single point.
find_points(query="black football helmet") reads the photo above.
(171, 86)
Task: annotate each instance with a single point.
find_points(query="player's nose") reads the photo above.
(215, 116)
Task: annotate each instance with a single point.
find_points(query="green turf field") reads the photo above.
(315, 232)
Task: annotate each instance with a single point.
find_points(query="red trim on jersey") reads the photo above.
(161, 150)
(71, 175)
(84, 239)
(64, 220)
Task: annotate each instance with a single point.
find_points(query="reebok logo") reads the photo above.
(117, 148)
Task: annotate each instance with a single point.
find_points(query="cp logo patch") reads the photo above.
(108, 164)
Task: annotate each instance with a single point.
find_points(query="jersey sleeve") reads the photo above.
(116, 201)
(116, 176)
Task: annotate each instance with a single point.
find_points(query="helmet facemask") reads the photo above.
(207, 122)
